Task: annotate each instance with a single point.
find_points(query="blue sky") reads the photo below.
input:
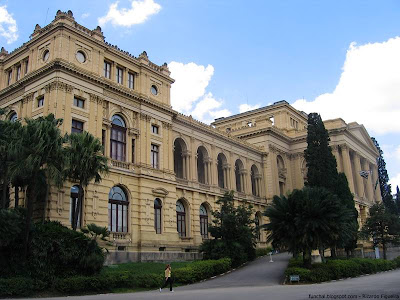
(338, 58)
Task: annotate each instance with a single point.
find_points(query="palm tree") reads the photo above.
(85, 162)
(306, 220)
(36, 153)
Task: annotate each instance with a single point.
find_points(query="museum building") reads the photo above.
(167, 170)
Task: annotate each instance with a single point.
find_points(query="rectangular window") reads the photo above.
(77, 126)
(107, 70)
(19, 72)
(154, 156)
(40, 101)
(119, 75)
(131, 81)
(27, 65)
(133, 150)
(9, 77)
(79, 102)
(103, 139)
(118, 143)
(154, 129)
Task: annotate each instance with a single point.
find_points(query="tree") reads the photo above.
(321, 163)
(398, 199)
(383, 177)
(84, 162)
(348, 235)
(233, 232)
(34, 154)
(308, 219)
(383, 226)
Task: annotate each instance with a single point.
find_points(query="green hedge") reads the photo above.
(20, 286)
(339, 268)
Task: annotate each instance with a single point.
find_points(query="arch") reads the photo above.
(74, 193)
(13, 116)
(203, 212)
(222, 171)
(180, 159)
(203, 167)
(239, 175)
(157, 215)
(254, 174)
(118, 138)
(181, 222)
(117, 210)
(280, 162)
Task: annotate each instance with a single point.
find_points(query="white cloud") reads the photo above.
(189, 90)
(8, 25)
(368, 91)
(85, 15)
(246, 107)
(137, 14)
(394, 182)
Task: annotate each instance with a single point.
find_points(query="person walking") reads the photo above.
(168, 278)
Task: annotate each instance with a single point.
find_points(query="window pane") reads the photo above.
(114, 217)
(109, 217)
(125, 219)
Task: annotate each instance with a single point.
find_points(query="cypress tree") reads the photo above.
(321, 163)
(398, 199)
(386, 189)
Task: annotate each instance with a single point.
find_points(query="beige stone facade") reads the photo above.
(157, 155)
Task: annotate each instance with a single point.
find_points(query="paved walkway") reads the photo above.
(256, 273)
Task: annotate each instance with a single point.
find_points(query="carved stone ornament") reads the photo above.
(160, 192)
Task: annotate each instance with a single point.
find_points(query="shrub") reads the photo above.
(20, 286)
(343, 268)
(305, 274)
(397, 261)
(296, 262)
(263, 251)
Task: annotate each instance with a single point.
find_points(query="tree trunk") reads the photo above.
(307, 258)
(16, 191)
(78, 208)
(31, 197)
(384, 250)
(348, 254)
(4, 193)
(46, 199)
(322, 253)
(333, 252)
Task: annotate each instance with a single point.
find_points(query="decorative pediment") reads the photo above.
(160, 192)
(362, 135)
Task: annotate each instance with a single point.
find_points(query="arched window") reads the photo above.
(157, 215)
(180, 218)
(203, 221)
(221, 161)
(118, 138)
(239, 176)
(180, 161)
(255, 182)
(73, 205)
(203, 166)
(117, 210)
(281, 174)
(13, 117)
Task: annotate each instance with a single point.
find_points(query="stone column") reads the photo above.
(359, 179)
(368, 191)
(347, 167)
(196, 178)
(187, 166)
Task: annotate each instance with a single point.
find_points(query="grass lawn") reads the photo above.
(142, 268)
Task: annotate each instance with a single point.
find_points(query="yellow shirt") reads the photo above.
(167, 273)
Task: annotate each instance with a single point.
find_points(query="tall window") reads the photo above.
(40, 101)
(155, 156)
(117, 210)
(203, 222)
(9, 77)
(27, 65)
(157, 215)
(19, 72)
(103, 139)
(119, 75)
(180, 218)
(154, 129)
(73, 205)
(77, 126)
(131, 81)
(107, 70)
(118, 138)
(133, 150)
